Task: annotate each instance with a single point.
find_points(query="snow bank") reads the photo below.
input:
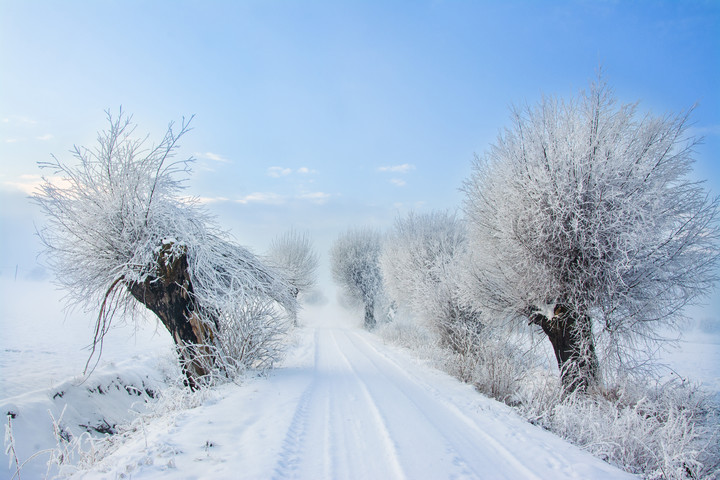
(39, 425)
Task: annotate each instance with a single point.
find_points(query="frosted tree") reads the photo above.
(119, 234)
(355, 266)
(293, 252)
(420, 261)
(585, 222)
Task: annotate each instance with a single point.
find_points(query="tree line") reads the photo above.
(581, 222)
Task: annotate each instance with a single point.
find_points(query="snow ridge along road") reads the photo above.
(345, 406)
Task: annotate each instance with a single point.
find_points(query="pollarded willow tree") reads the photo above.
(421, 259)
(119, 234)
(354, 259)
(293, 252)
(585, 222)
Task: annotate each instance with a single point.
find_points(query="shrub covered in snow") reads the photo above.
(669, 431)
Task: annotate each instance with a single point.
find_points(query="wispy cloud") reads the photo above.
(271, 198)
(398, 182)
(18, 120)
(45, 138)
(409, 206)
(266, 198)
(209, 200)
(316, 197)
(277, 172)
(404, 168)
(29, 184)
(212, 156)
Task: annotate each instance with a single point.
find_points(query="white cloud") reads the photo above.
(29, 184)
(271, 198)
(209, 200)
(410, 206)
(277, 172)
(398, 182)
(315, 197)
(19, 120)
(404, 168)
(267, 198)
(45, 137)
(212, 156)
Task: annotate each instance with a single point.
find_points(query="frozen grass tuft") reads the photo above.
(80, 453)
(667, 431)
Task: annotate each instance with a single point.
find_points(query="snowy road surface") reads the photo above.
(345, 406)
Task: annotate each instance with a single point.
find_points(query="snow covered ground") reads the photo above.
(43, 353)
(696, 357)
(41, 347)
(342, 405)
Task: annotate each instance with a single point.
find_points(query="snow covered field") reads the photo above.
(41, 347)
(342, 405)
(43, 353)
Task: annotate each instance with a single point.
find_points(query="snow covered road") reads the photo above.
(369, 418)
(345, 406)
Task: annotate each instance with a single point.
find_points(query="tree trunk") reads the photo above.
(293, 312)
(369, 314)
(169, 296)
(570, 334)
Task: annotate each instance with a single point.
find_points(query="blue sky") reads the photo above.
(321, 115)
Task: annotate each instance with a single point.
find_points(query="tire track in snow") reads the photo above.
(290, 455)
(417, 435)
(336, 430)
(377, 420)
(476, 453)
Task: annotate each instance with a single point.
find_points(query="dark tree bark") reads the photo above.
(369, 314)
(170, 297)
(570, 334)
